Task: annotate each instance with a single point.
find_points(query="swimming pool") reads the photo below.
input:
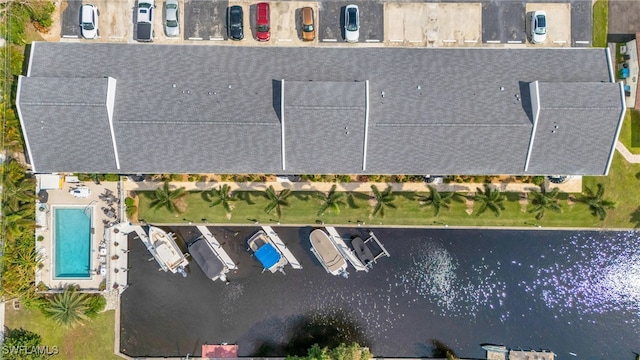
(72, 242)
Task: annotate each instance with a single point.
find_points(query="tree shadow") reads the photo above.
(440, 349)
(327, 329)
(635, 217)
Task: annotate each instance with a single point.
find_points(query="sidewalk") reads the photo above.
(631, 158)
(572, 185)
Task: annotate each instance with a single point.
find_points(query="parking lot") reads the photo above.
(205, 20)
(559, 29)
(429, 24)
(331, 26)
(426, 24)
(115, 24)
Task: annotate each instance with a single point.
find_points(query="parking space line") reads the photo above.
(70, 36)
(559, 41)
(493, 41)
(471, 41)
(195, 38)
(217, 39)
(415, 41)
(395, 40)
(372, 40)
(449, 41)
(583, 42)
(284, 40)
(331, 40)
(514, 42)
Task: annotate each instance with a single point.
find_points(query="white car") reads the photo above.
(89, 21)
(351, 23)
(538, 27)
(172, 18)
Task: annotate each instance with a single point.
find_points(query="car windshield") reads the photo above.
(172, 6)
(172, 23)
(307, 28)
(87, 26)
(541, 29)
(352, 24)
(262, 28)
(144, 5)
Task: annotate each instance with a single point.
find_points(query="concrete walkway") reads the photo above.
(572, 185)
(631, 158)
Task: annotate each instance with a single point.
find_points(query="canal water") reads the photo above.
(565, 291)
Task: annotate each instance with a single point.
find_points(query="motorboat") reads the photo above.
(266, 252)
(206, 256)
(163, 247)
(327, 253)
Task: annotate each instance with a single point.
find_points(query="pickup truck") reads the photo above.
(144, 24)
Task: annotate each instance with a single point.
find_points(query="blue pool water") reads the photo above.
(72, 243)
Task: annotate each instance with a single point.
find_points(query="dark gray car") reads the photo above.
(234, 23)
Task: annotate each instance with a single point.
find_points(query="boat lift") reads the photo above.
(361, 257)
(282, 247)
(217, 247)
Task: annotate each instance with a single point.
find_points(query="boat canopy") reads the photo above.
(208, 261)
(267, 255)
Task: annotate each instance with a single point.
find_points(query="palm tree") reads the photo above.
(383, 199)
(543, 200)
(18, 222)
(68, 308)
(221, 196)
(276, 201)
(597, 204)
(165, 197)
(489, 199)
(332, 200)
(18, 193)
(436, 200)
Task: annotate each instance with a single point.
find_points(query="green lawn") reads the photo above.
(630, 132)
(600, 23)
(408, 212)
(621, 186)
(93, 340)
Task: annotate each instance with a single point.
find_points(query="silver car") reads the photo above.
(172, 18)
(351, 23)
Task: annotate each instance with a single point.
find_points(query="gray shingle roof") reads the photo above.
(324, 124)
(575, 127)
(67, 123)
(191, 109)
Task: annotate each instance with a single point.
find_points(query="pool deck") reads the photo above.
(109, 253)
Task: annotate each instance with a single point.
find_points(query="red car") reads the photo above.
(262, 22)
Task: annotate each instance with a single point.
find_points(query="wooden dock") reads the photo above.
(344, 249)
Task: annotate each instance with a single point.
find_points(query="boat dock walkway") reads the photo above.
(218, 248)
(531, 355)
(282, 247)
(344, 249)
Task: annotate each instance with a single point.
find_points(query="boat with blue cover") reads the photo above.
(266, 252)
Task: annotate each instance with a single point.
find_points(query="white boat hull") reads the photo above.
(327, 254)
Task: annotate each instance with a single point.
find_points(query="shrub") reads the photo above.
(111, 177)
(95, 305)
(21, 339)
(538, 180)
(40, 237)
(131, 207)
